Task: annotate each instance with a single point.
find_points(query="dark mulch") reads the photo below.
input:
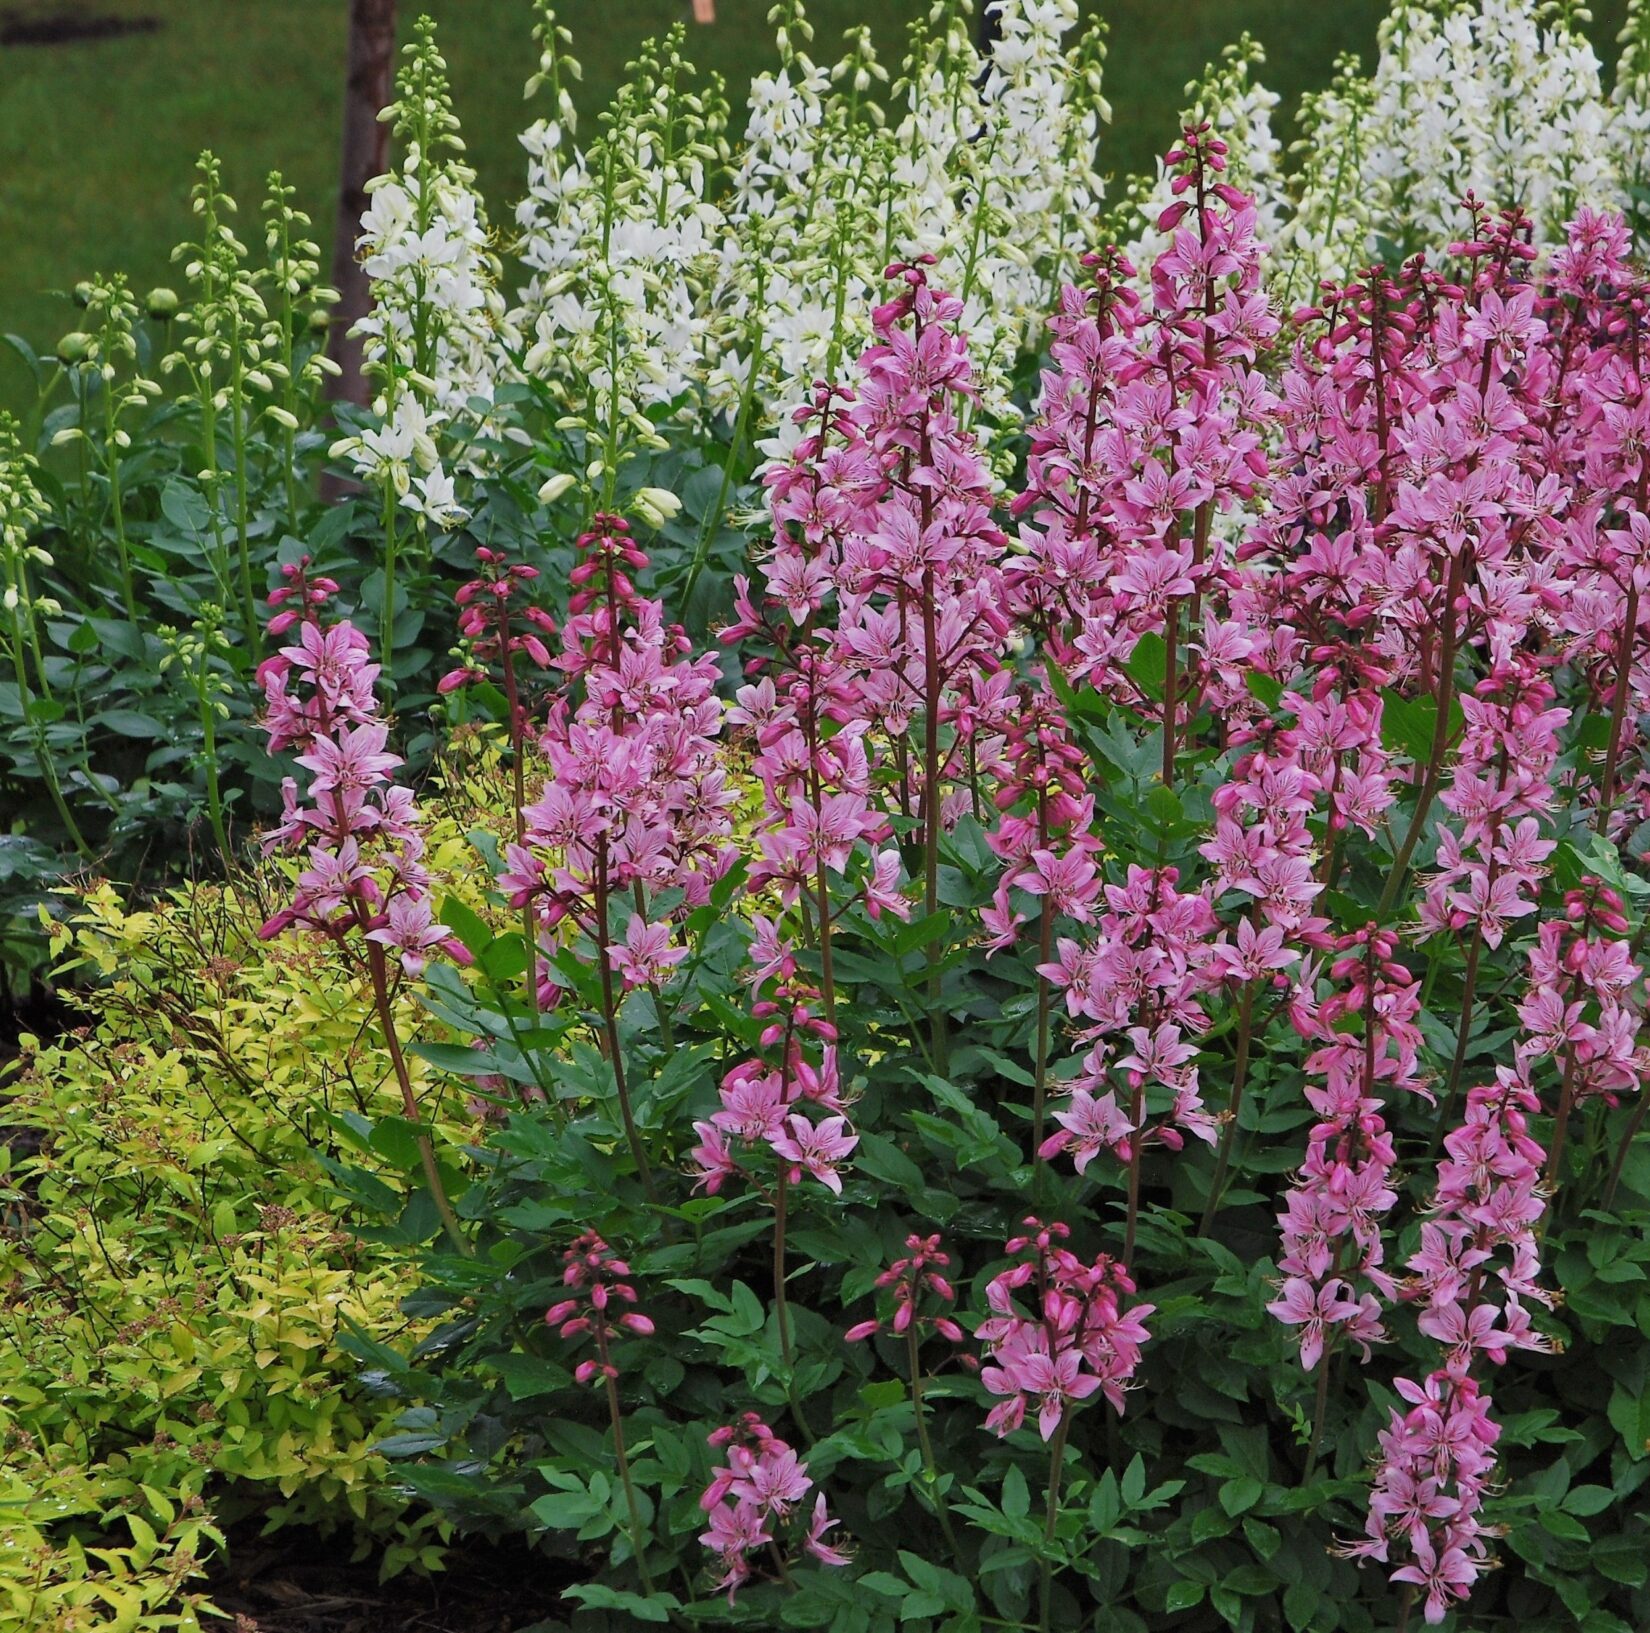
(299, 1582)
(68, 27)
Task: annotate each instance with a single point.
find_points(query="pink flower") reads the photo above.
(1315, 1310)
(1092, 1124)
(815, 1542)
(647, 956)
(816, 1148)
(1447, 1575)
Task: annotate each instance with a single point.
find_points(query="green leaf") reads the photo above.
(1564, 1526)
(654, 1609)
(1589, 1500)
(1148, 665)
(1182, 1595)
(1134, 1481)
(564, 1510)
(1622, 1559)
(1630, 1418)
(1016, 1495)
(130, 723)
(467, 924)
(1240, 1495)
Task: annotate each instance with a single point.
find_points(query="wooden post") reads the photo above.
(369, 78)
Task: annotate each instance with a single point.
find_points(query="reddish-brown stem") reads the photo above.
(610, 1022)
(1137, 1116)
(512, 700)
(822, 893)
(1171, 638)
(782, 1314)
(1629, 1134)
(1056, 1468)
(1320, 1406)
(931, 808)
(1618, 707)
(1045, 952)
(1561, 1125)
(621, 1459)
(378, 968)
(1240, 1070)
(1430, 779)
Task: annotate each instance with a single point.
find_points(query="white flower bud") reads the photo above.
(656, 505)
(555, 488)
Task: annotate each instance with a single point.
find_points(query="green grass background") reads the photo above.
(98, 138)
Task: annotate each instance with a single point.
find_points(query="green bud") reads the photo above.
(162, 303)
(74, 347)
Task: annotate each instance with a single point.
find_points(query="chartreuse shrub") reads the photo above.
(182, 1258)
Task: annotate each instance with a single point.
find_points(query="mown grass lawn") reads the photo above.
(99, 137)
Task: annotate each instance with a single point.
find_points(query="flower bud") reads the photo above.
(74, 347)
(655, 506)
(555, 488)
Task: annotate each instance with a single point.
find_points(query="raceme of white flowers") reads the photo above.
(438, 338)
(669, 272)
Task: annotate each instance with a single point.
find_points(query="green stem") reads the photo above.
(386, 628)
(214, 794)
(48, 766)
(237, 404)
(117, 507)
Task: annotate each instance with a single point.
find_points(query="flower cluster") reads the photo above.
(358, 830)
(921, 1272)
(1137, 986)
(485, 622)
(437, 333)
(1332, 1242)
(636, 804)
(1080, 1341)
(766, 1101)
(754, 1498)
(596, 1276)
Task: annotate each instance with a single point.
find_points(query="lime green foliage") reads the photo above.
(177, 1268)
